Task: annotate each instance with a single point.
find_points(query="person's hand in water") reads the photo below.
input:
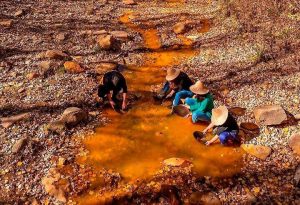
(112, 104)
(124, 106)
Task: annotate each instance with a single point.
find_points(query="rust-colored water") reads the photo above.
(150, 35)
(135, 144)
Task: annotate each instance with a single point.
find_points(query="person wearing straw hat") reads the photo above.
(226, 127)
(201, 104)
(178, 84)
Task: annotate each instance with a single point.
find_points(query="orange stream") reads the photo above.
(135, 144)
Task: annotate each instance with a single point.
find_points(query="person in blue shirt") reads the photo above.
(201, 104)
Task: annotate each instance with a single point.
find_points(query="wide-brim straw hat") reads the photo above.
(172, 73)
(199, 88)
(219, 115)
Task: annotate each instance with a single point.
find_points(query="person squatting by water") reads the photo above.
(113, 84)
(201, 104)
(225, 127)
(177, 85)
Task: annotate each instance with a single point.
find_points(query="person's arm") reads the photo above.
(211, 125)
(124, 104)
(170, 94)
(111, 102)
(212, 140)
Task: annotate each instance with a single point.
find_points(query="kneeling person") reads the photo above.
(201, 104)
(226, 127)
(113, 84)
(177, 85)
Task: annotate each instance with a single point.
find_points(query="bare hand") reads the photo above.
(124, 105)
(207, 143)
(112, 104)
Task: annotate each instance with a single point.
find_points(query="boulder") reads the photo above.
(19, 145)
(56, 127)
(129, 2)
(45, 65)
(205, 199)
(120, 34)
(60, 37)
(180, 28)
(238, 111)
(55, 54)
(19, 13)
(73, 67)
(297, 116)
(6, 23)
(9, 121)
(259, 151)
(32, 75)
(176, 162)
(107, 42)
(294, 143)
(73, 115)
(102, 68)
(270, 115)
(55, 186)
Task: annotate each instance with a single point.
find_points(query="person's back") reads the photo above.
(114, 81)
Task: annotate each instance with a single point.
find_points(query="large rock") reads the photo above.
(270, 115)
(294, 143)
(238, 111)
(120, 34)
(73, 67)
(107, 42)
(259, 151)
(9, 121)
(19, 145)
(55, 186)
(102, 68)
(176, 162)
(129, 2)
(56, 127)
(6, 23)
(180, 28)
(55, 54)
(73, 115)
(19, 13)
(205, 199)
(32, 75)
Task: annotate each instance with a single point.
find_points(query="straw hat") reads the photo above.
(199, 88)
(219, 115)
(172, 73)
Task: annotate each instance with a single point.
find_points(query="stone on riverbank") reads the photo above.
(6, 122)
(73, 67)
(176, 162)
(259, 151)
(270, 115)
(294, 143)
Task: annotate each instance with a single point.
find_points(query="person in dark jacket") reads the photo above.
(226, 127)
(178, 85)
(113, 84)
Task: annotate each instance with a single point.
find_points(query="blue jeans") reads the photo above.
(181, 95)
(231, 136)
(197, 115)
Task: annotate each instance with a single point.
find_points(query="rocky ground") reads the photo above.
(249, 57)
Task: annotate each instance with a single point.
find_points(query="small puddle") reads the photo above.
(135, 144)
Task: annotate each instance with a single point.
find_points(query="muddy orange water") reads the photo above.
(136, 143)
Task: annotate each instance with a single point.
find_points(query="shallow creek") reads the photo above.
(135, 144)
